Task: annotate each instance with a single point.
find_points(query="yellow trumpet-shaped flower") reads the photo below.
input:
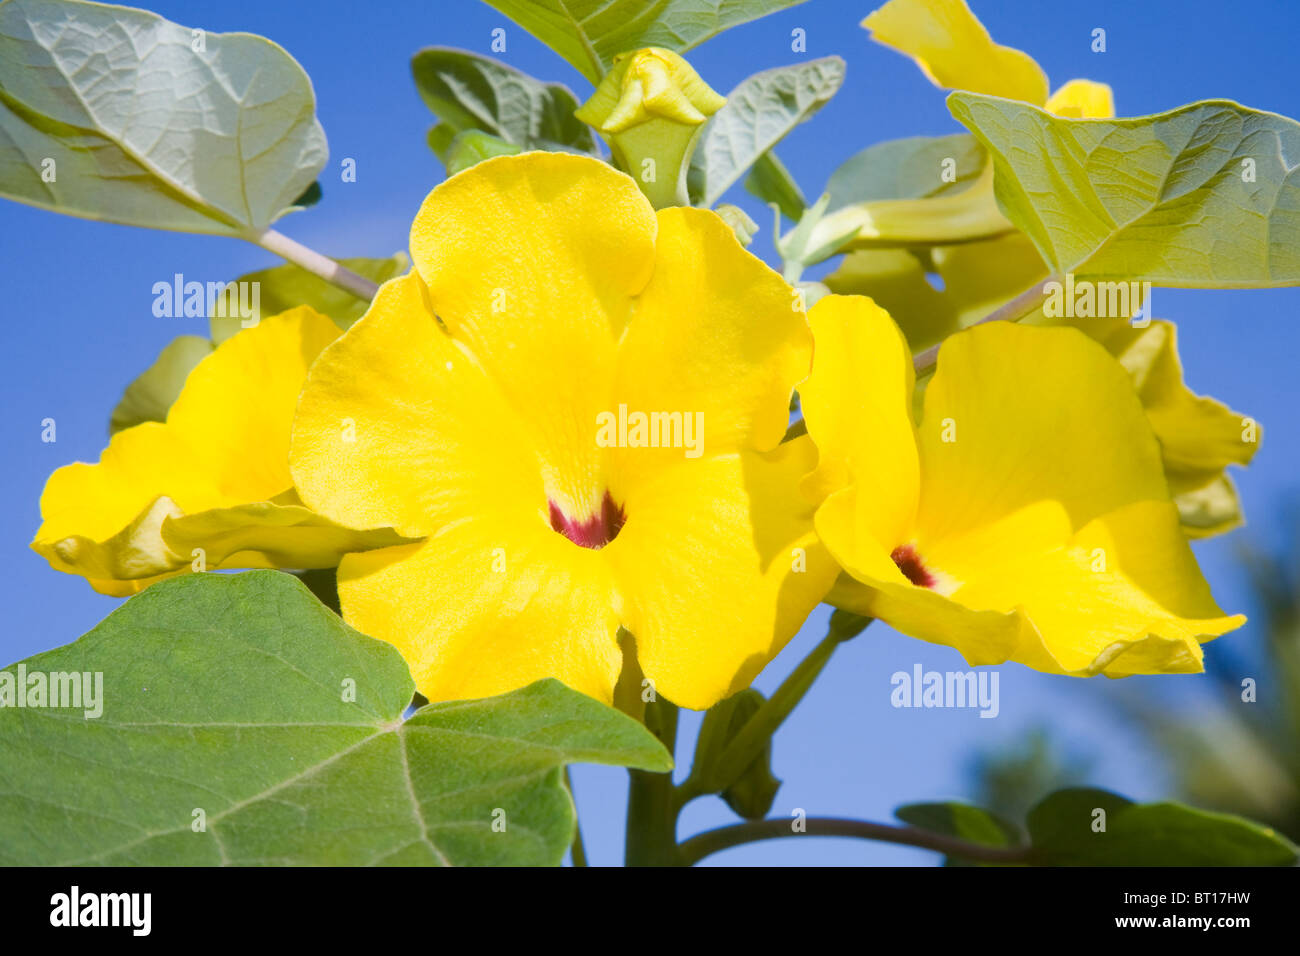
(579, 404)
(1025, 518)
(210, 487)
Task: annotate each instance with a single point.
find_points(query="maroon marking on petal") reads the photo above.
(909, 562)
(595, 532)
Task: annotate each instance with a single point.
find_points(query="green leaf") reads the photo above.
(229, 695)
(284, 287)
(758, 115)
(110, 113)
(912, 168)
(471, 92)
(472, 146)
(963, 821)
(1063, 829)
(589, 33)
(148, 398)
(771, 182)
(1206, 195)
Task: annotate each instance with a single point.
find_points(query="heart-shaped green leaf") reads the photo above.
(241, 722)
(117, 114)
(1204, 196)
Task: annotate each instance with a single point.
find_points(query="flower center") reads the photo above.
(594, 532)
(909, 562)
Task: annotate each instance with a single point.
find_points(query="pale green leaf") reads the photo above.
(589, 33)
(468, 92)
(111, 113)
(914, 168)
(1207, 195)
(758, 115)
(148, 398)
(771, 182)
(472, 147)
(243, 723)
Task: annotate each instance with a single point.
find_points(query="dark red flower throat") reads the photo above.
(595, 532)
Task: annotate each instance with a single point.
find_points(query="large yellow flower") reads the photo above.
(496, 394)
(210, 487)
(1025, 518)
(1199, 437)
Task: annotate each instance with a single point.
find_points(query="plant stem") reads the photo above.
(579, 849)
(747, 744)
(314, 262)
(651, 809)
(1019, 307)
(713, 841)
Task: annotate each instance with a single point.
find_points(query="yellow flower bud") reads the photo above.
(651, 108)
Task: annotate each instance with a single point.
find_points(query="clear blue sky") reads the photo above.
(79, 327)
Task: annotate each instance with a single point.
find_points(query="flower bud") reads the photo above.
(651, 108)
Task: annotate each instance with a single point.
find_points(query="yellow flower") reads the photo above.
(210, 487)
(1199, 437)
(1025, 518)
(652, 107)
(495, 393)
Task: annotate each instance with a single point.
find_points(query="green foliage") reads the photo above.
(1066, 828)
(124, 103)
(590, 33)
(468, 92)
(243, 723)
(758, 115)
(771, 182)
(963, 821)
(1201, 196)
(752, 791)
(148, 398)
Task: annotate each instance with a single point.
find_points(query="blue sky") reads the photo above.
(80, 326)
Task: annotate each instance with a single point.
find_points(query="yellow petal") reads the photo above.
(237, 405)
(1124, 596)
(210, 487)
(1199, 436)
(435, 443)
(1082, 99)
(1017, 415)
(716, 336)
(719, 568)
(863, 434)
(531, 262)
(486, 606)
(954, 50)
